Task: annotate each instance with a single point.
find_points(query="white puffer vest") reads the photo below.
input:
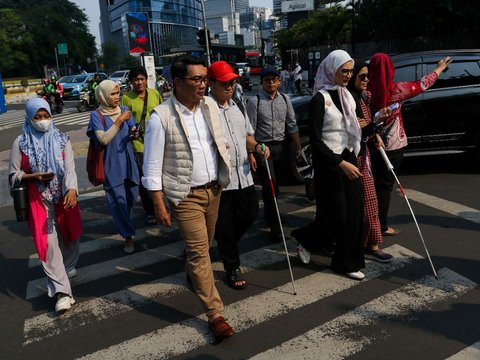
(178, 157)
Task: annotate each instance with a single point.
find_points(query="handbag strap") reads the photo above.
(102, 118)
(141, 126)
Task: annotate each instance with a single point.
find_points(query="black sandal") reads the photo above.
(234, 277)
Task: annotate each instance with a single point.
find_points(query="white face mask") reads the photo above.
(42, 125)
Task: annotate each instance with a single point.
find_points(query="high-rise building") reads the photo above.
(277, 9)
(171, 23)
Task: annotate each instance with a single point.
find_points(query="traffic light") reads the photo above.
(201, 37)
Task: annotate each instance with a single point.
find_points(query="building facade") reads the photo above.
(172, 23)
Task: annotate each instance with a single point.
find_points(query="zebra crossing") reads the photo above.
(159, 318)
(69, 116)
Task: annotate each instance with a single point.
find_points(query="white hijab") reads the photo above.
(325, 80)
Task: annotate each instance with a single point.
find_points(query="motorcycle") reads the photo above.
(246, 83)
(86, 102)
(54, 100)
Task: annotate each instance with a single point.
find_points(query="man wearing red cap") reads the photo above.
(239, 204)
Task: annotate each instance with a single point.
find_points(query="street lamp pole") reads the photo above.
(207, 40)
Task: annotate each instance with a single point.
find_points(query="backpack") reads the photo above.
(95, 168)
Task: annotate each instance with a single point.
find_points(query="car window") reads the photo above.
(103, 76)
(457, 74)
(79, 79)
(118, 74)
(405, 73)
(65, 79)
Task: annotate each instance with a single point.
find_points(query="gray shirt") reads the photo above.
(236, 127)
(272, 117)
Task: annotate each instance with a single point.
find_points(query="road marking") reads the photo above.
(450, 207)
(192, 333)
(469, 353)
(338, 337)
(46, 325)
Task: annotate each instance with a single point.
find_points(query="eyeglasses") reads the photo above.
(271, 80)
(347, 71)
(226, 83)
(198, 79)
(41, 117)
(363, 77)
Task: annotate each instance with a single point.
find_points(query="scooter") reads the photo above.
(246, 83)
(55, 102)
(86, 102)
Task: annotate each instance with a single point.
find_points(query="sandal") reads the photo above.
(150, 220)
(391, 232)
(235, 279)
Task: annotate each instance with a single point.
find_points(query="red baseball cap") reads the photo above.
(221, 71)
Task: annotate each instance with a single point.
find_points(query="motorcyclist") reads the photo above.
(48, 88)
(91, 86)
(97, 78)
(58, 89)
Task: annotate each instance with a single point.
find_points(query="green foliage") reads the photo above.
(13, 41)
(48, 23)
(381, 19)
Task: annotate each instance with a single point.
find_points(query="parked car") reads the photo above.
(73, 88)
(445, 119)
(120, 77)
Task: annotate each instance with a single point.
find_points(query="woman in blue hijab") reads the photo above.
(42, 159)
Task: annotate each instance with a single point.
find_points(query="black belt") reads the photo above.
(208, 185)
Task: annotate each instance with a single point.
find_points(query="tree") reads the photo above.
(13, 42)
(50, 22)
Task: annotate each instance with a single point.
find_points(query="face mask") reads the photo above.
(42, 125)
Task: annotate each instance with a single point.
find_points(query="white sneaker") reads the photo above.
(357, 275)
(72, 273)
(303, 254)
(64, 302)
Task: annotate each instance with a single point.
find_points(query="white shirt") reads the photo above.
(202, 144)
(297, 73)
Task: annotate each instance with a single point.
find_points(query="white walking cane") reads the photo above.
(390, 167)
(279, 219)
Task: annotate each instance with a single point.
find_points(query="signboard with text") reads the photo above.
(297, 5)
(62, 49)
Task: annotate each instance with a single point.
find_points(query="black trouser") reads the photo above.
(145, 197)
(339, 216)
(298, 84)
(237, 212)
(276, 150)
(384, 181)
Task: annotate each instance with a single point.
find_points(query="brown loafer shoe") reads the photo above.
(220, 328)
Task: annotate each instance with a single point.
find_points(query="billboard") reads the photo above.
(138, 36)
(297, 5)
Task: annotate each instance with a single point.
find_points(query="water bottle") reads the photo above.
(20, 202)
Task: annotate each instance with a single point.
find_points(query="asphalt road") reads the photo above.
(140, 307)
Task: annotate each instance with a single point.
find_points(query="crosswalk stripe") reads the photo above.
(469, 353)
(450, 207)
(192, 333)
(91, 311)
(70, 116)
(337, 336)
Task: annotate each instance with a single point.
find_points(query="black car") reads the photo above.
(445, 119)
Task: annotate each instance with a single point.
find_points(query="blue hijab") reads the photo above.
(44, 150)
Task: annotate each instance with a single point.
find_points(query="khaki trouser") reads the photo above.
(196, 216)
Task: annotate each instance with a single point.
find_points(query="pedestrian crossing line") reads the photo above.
(469, 353)
(107, 242)
(192, 333)
(37, 287)
(91, 311)
(338, 336)
(450, 207)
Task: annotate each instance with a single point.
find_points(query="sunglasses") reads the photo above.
(363, 77)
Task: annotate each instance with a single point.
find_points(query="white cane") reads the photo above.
(390, 167)
(279, 219)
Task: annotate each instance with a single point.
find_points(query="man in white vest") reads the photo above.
(186, 160)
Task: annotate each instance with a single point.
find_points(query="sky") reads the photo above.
(92, 10)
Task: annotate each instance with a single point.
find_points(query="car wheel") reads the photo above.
(82, 106)
(299, 168)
